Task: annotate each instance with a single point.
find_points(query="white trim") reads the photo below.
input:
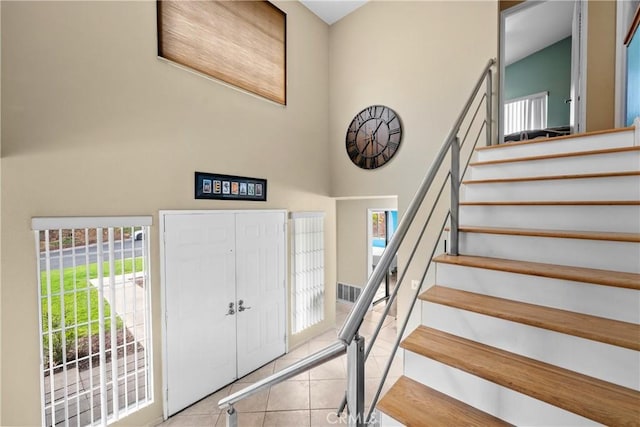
(52, 223)
(624, 16)
(636, 138)
(621, 64)
(584, 31)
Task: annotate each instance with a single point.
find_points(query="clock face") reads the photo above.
(373, 136)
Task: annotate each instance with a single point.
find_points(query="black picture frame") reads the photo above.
(215, 186)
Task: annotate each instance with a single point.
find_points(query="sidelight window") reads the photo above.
(94, 305)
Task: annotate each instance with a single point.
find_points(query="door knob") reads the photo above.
(231, 310)
(241, 307)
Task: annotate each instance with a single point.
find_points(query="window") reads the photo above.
(526, 113)
(95, 331)
(307, 251)
(242, 43)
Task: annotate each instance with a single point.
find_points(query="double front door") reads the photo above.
(224, 280)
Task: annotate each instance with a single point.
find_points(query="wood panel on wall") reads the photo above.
(242, 43)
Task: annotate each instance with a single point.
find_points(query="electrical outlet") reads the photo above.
(415, 284)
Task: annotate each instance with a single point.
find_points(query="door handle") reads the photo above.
(231, 310)
(241, 307)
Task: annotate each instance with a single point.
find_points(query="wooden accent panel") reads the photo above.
(586, 235)
(240, 42)
(556, 156)
(552, 177)
(589, 397)
(614, 332)
(416, 405)
(578, 274)
(556, 138)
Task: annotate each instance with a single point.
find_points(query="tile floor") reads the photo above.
(309, 399)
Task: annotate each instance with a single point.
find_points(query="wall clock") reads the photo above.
(373, 136)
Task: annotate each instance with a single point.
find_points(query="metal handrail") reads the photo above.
(328, 353)
(348, 339)
(357, 313)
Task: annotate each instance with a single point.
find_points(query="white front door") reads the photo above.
(200, 276)
(260, 267)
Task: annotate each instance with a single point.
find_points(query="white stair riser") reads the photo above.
(504, 403)
(387, 421)
(605, 255)
(595, 142)
(617, 218)
(622, 365)
(596, 163)
(596, 300)
(609, 188)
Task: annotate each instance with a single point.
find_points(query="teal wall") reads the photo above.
(546, 70)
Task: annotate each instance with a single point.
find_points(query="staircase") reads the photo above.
(537, 321)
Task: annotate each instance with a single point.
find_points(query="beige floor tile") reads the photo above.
(317, 344)
(372, 369)
(258, 374)
(287, 419)
(332, 370)
(327, 394)
(181, 420)
(246, 419)
(253, 403)
(326, 417)
(208, 405)
(299, 352)
(331, 335)
(396, 368)
(282, 363)
(289, 395)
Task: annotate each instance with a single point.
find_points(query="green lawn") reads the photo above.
(80, 302)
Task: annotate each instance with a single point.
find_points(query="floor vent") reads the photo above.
(348, 293)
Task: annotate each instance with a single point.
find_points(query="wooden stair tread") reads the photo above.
(414, 404)
(556, 156)
(556, 203)
(589, 397)
(556, 138)
(552, 177)
(578, 274)
(614, 332)
(565, 234)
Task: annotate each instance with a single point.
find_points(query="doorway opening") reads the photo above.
(542, 69)
(382, 225)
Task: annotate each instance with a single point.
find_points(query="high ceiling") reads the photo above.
(537, 27)
(331, 11)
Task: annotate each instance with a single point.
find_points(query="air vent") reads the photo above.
(348, 293)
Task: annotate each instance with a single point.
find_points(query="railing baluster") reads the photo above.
(489, 103)
(355, 382)
(455, 194)
(232, 417)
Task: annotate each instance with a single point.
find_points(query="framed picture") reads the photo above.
(229, 187)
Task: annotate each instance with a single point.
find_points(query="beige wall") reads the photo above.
(419, 58)
(0, 207)
(601, 64)
(96, 124)
(352, 237)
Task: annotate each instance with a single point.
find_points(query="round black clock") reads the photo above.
(373, 136)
